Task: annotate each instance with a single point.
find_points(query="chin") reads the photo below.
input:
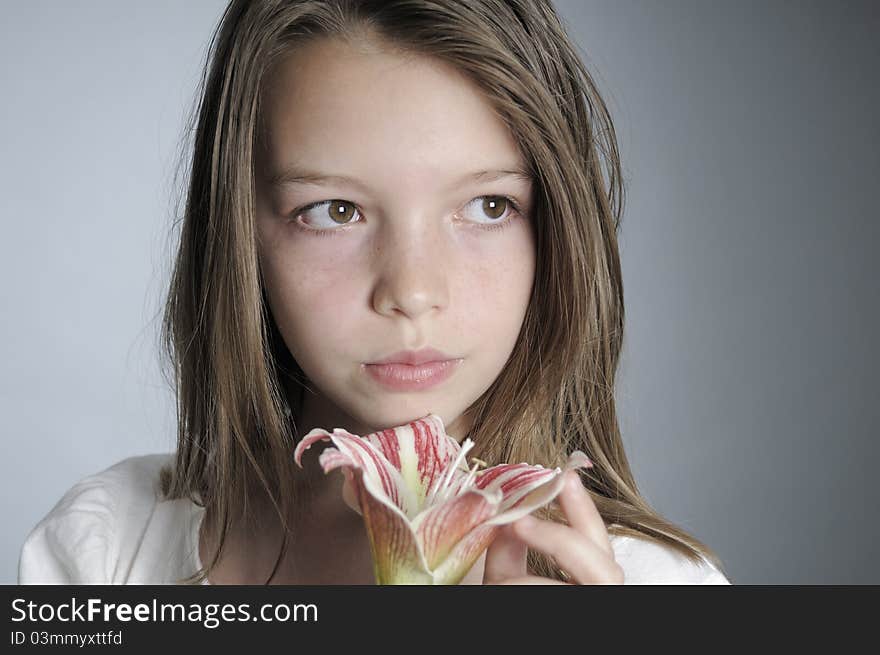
(392, 418)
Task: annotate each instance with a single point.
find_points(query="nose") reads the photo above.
(413, 269)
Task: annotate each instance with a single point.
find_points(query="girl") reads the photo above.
(383, 181)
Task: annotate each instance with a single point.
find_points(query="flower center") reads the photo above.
(444, 489)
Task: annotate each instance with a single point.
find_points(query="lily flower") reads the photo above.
(428, 516)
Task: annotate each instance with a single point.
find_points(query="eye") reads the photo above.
(499, 209)
(326, 214)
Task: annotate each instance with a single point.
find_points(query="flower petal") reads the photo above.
(306, 442)
(513, 480)
(441, 527)
(466, 552)
(525, 487)
(450, 482)
(357, 452)
(397, 558)
(420, 450)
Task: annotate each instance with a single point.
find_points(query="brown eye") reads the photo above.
(340, 211)
(494, 206)
(497, 211)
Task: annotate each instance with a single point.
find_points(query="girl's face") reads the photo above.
(414, 250)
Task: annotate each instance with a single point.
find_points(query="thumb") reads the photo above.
(505, 558)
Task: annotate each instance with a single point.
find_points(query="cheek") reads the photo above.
(495, 294)
(496, 286)
(312, 294)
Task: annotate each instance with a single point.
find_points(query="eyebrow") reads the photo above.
(294, 175)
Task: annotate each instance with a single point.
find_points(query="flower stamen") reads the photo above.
(473, 472)
(442, 489)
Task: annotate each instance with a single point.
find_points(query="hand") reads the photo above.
(582, 548)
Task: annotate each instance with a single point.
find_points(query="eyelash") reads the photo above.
(516, 211)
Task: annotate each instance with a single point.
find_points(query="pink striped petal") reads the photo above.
(513, 480)
(397, 557)
(440, 528)
(465, 553)
(527, 490)
(331, 459)
(420, 450)
(357, 452)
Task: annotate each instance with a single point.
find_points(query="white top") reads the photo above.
(113, 528)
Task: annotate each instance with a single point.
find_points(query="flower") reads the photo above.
(427, 515)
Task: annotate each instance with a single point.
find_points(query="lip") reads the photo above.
(403, 377)
(414, 357)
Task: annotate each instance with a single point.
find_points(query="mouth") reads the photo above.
(414, 357)
(405, 377)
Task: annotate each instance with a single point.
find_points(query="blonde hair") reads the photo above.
(237, 386)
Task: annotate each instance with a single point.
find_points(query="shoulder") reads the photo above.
(645, 562)
(82, 537)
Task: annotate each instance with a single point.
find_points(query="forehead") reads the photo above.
(380, 113)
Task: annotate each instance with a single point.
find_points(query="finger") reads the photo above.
(581, 512)
(505, 557)
(530, 579)
(584, 561)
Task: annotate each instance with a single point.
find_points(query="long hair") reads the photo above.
(238, 388)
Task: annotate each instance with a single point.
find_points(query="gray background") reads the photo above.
(749, 138)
